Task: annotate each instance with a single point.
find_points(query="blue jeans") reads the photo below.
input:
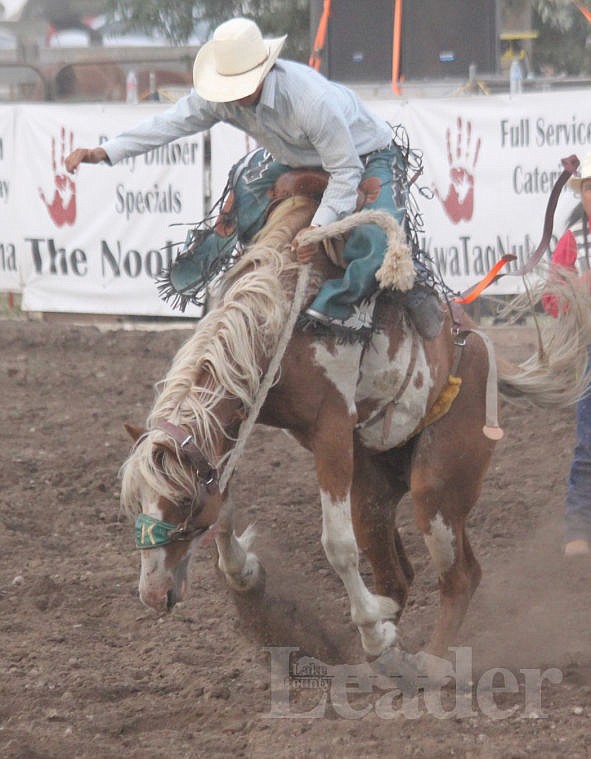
(578, 500)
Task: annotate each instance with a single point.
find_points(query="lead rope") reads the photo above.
(247, 425)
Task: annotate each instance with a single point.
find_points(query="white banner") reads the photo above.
(9, 254)
(498, 161)
(490, 165)
(94, 242)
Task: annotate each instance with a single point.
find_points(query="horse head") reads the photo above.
(173, 489)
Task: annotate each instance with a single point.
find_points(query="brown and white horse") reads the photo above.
(373, 416)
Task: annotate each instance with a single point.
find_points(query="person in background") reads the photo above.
(302, 120)
(573, 252)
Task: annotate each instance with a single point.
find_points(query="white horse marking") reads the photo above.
(155, 578)
(441, 544)
(161, 586)
(381, 378)
(240, 566)
(368, 611)
(341, 367)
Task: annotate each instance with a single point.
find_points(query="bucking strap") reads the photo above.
(571, 164)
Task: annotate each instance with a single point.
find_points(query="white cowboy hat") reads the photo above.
(233, 64)
(585, 173)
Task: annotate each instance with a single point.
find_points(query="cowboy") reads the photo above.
(302, 120)
(573, 251)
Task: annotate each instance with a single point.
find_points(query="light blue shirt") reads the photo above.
(301, 118)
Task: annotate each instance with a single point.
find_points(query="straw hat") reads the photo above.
(233, 64)
(585, 173)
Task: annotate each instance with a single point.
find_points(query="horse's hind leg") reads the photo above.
(444, 488)
(240, 566)
(373, 504)
(448, 466)
(459, 576)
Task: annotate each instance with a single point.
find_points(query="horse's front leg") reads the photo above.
(240, 566)
(371, 613)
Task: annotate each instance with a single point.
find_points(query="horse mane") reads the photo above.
(224, 359)
(557, 374)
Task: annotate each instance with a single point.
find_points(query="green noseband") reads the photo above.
(152, 533)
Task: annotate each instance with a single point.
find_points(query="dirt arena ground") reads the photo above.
(87, 672)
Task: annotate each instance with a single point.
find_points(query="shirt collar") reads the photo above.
(269, 88)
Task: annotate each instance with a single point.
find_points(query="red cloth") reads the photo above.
(565, 255)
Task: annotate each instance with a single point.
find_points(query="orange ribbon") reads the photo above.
(470, 295)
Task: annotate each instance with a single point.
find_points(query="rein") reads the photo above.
(155, 533)
(248, 424)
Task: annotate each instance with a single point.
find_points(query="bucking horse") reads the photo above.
(384, 417)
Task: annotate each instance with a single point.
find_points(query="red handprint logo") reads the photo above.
(62, 208)
(459, 203)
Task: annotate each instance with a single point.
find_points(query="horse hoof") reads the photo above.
(394, 662)
(257, 589)
(388, 634)
(417, 670)
(252, 581)
(434, 669)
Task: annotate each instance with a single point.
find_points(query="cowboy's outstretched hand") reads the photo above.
(304, 252)
(84, 155)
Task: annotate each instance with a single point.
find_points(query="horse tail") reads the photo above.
(558, 373)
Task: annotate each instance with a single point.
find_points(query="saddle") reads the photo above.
(308, 182)
(312, 183)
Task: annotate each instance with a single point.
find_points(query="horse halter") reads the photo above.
(156, 533)
(206, 473)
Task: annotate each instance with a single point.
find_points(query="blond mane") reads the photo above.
(224, 359)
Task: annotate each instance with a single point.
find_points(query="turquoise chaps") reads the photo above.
(247, 202)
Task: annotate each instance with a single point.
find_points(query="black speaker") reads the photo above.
(440, 38)
(443, 37)
(358, 45)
